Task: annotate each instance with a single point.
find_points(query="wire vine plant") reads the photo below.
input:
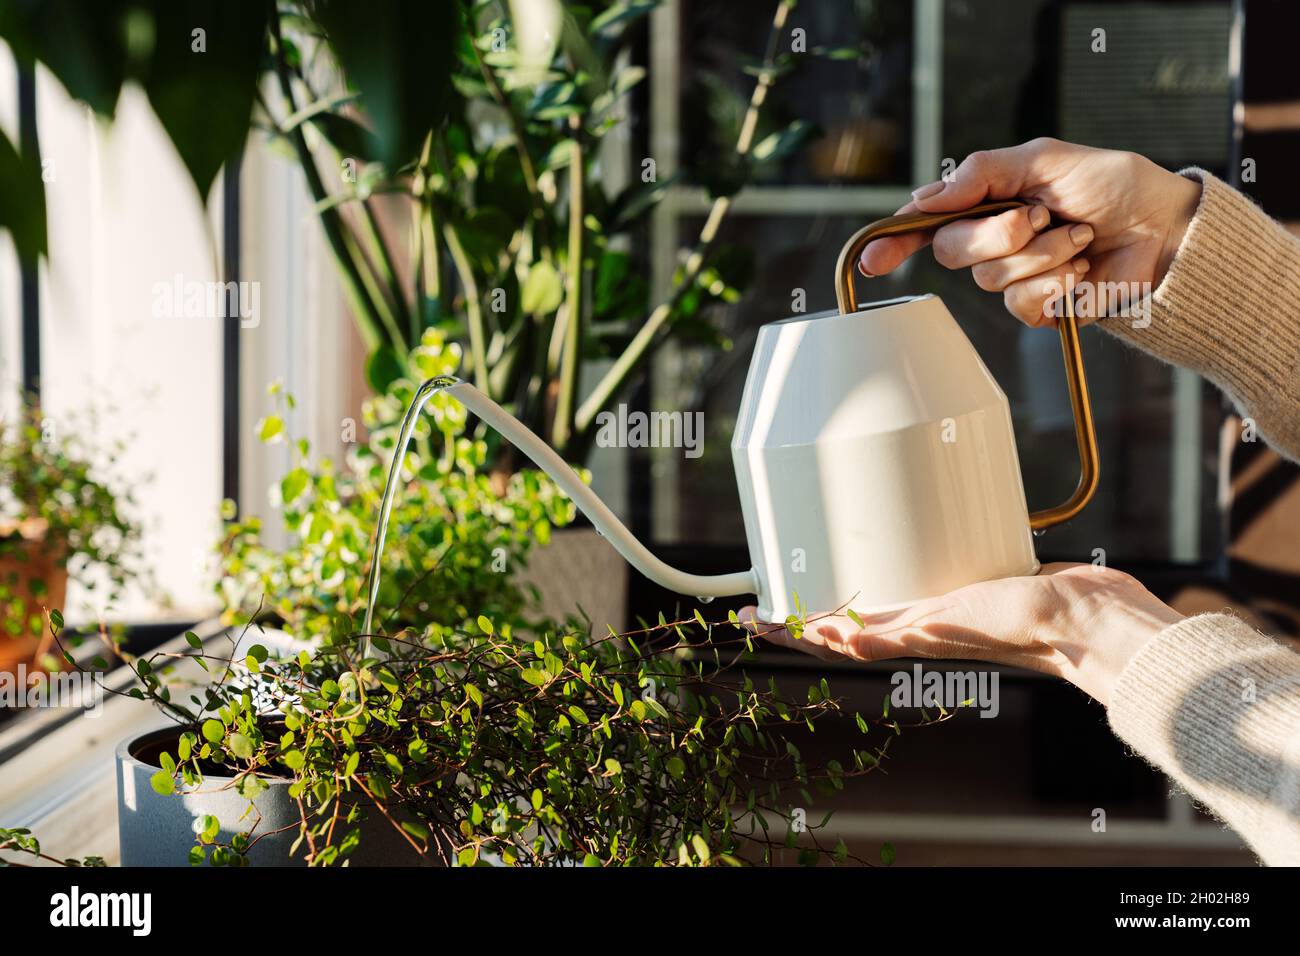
(483, 746)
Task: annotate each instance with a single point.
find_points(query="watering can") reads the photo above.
(874, 456)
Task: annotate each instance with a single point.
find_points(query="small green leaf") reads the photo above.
(270, 429)
(888, 854)
(485, 624)
(701, 848)
(213, 731)
(293, 484)
(163, 783)
(543, 289)
(383, 368)
(417, 830)
(241, 746)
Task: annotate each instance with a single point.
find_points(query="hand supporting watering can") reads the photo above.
(1121, 219)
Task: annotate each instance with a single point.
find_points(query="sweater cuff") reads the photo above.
(1226, 309)
(1216, 705)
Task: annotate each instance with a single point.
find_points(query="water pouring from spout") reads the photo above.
(568, 481)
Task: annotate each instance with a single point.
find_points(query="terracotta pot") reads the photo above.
(26, 565)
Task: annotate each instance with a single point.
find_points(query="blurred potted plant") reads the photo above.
(516, 249)
(457, 540)
(63, 513)
(484, 120)
(483, 126)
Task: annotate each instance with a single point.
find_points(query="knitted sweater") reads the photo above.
(1210, 700)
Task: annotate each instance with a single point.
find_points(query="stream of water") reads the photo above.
(422, 395)
(566, 479)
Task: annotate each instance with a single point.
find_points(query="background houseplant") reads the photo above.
(63, 512)
(457, 539)
(456, 153)
(516, 245)
(481, 123)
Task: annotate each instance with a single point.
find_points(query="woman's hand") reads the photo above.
(1081, 622)
(1122, 218)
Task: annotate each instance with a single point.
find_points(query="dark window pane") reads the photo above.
(862, 107)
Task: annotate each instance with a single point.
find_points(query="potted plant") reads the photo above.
(482, 745)
(63, 513)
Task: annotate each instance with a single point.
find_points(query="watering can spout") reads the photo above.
(604, 520)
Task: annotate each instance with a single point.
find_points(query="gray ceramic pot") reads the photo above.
(157, 830)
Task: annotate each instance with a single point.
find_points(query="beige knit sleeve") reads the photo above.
(1216, 705)
(1229, 308)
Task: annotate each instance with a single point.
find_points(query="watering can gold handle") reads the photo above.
(1084, 432)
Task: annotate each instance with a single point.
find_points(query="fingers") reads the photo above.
(810, 642)
(882, 256)
(971, 241)
(1036, 301)
(833, 637)
(1041, 254)
(990, 174)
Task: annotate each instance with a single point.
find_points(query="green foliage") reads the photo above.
(21, 840)
(396, 53)
(483, 124)
(62, 490)
(22, 204)
(457, 538)
(486, 738)
(94, 48)
(520, 246)
(489, 744)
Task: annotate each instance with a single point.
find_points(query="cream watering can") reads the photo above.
(874, 455)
